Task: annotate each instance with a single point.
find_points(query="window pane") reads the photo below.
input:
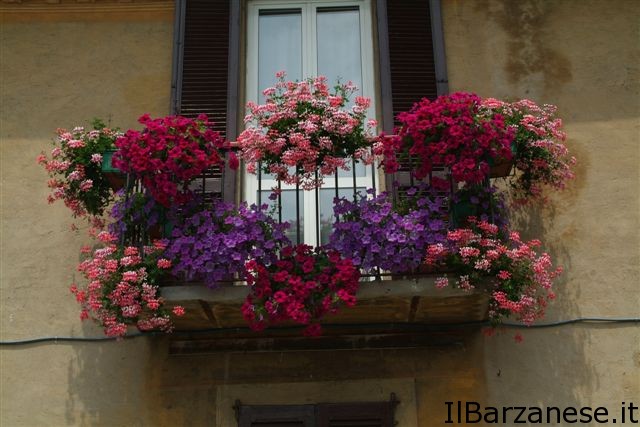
(339, 55)
(279, 47)
(326, 209)
(361, 170)
(288, 212)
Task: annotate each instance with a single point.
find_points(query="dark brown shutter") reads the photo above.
(369, 414)
(411, 56)
(205, 61)
(206, 75)
(276, 416)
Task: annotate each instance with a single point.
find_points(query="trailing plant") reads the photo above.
(303, 286)
(215, 244)
(303, 128)
(520, 280)
(540, 154)
(376, 235)
(74, 168)
(122, 288)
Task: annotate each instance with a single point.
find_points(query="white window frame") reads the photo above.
(309, 69)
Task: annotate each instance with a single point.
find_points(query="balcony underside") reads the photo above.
(389, 313)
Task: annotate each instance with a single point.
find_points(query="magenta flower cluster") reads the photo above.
(169, 153)
(542, 159)
(214, 245)
(449, 131)
(302, 286)
(75, 170)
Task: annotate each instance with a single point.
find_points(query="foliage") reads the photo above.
(375, 235)
(122, 287)
(304, 129)
(302, 286)
(483, 202)
(214, 245)
(75, 169)
(520, 280)
(169, 153)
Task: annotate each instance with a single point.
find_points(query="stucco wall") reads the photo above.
(59, 69)
(584, 57)
(62, 65)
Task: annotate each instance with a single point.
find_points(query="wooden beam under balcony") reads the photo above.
(390, 313)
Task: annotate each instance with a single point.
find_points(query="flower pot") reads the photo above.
(501, 167)
(115, 177)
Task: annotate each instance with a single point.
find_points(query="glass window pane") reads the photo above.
(361, 170)
(288, 212)
(279, 47)
(326, 209)
(339, 56)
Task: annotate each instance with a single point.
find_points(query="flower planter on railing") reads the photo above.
(441, 213)
(116, 178)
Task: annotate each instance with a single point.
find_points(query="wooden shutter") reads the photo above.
(369, 414)
(276, 416)
(411, 56)
(205, 56)
(206, 74)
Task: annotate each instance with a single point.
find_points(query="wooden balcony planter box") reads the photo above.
(395, 312)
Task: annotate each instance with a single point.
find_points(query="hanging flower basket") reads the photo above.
(304, 132)
(501, 167)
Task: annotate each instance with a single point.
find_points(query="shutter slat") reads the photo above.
(205, 60)
(410, 53)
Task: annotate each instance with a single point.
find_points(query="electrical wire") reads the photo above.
(56, 340)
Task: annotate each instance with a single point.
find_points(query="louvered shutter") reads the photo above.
(206, 75)
(411, 53)
(205, 61)
(369, 414)
(408, 65)
(276, 416)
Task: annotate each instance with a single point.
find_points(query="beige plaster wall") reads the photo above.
(584, 56)
(62, 65)
(114, 60)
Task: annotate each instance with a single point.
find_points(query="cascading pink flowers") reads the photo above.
(540, 154)
(303, 128)
(75, 170)
(520, 279)
(122, 287)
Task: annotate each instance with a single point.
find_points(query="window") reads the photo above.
(306, 39)
(365, 414)
(409, 53)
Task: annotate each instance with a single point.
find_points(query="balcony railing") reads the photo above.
(386, 301)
